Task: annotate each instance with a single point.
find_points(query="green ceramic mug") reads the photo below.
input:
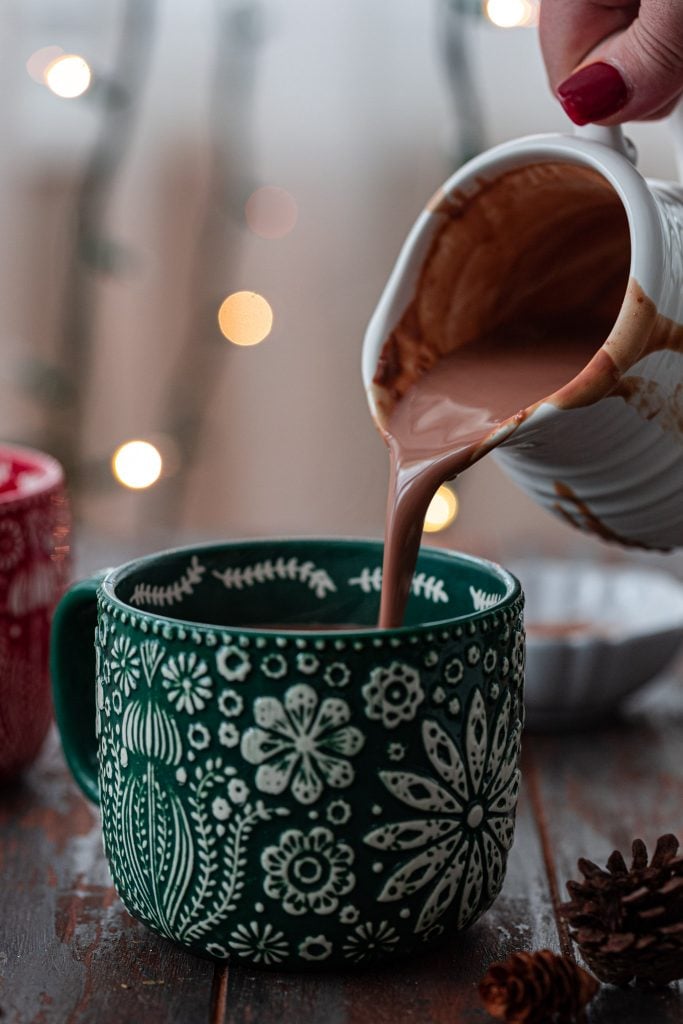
(282, 791)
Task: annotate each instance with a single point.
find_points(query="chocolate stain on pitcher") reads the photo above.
(511, 309)
(580, 515)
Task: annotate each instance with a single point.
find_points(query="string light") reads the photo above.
(137, 464)
(39, 61)
(271, 212)
(68, 76)
(512, 13)
(442, 510)
(245, 318)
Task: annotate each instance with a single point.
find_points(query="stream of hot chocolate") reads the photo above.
(520, 286)
(435, 430)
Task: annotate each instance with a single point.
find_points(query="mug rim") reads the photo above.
(52, 474)
(114, 576)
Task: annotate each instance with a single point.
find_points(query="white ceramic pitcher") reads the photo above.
(606, 453)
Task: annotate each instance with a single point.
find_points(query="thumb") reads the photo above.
(634, 74)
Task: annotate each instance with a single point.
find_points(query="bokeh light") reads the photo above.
(442, 510)
(38, 62)
(512, 13)
(137, 464)
(271, 212)
(68, 76)
(245, 318)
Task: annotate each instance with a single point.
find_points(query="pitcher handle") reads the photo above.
(611, 136)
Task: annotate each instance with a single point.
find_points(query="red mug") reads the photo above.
(34, 571)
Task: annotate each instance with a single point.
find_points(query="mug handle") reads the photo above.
(72, 666)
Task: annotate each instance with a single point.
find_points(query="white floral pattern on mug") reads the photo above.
(187, 681)
(125, 664)
(233, 663)
(468, 816)
(393, 694)
(315, 947)
(300, 744)
(244, 771)
(337, 674)
(230, 703)
(370, 941)
(308, 871)
(262, 945)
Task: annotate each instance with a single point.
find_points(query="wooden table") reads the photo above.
(70, 954)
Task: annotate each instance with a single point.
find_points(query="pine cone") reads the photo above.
(534, 988)
(628, 922)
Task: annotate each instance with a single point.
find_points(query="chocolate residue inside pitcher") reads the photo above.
(539, 250)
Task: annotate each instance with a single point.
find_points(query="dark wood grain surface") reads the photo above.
(70, 954)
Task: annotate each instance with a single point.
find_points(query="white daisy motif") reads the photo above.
(261, 945)
(228, 735)
(315, 947)
(274, 666)
(233, 663)
(463, 817)
(337, 674)
(393, 694)
(307, 663)
(230, 703)
(187, 681)
(125, 664)
(370, 941)
(396, 751)
(308, 871)
(301, 743)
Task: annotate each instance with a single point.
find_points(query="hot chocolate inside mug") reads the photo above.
(281, 783)
(554, 237)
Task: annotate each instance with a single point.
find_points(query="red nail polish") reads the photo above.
(593, 93)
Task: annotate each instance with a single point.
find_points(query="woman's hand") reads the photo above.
(614, 60)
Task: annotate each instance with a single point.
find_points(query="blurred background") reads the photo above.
(200, 206)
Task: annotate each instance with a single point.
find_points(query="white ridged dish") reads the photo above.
(595, 634)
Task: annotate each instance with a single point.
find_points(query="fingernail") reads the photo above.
(593, 93)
